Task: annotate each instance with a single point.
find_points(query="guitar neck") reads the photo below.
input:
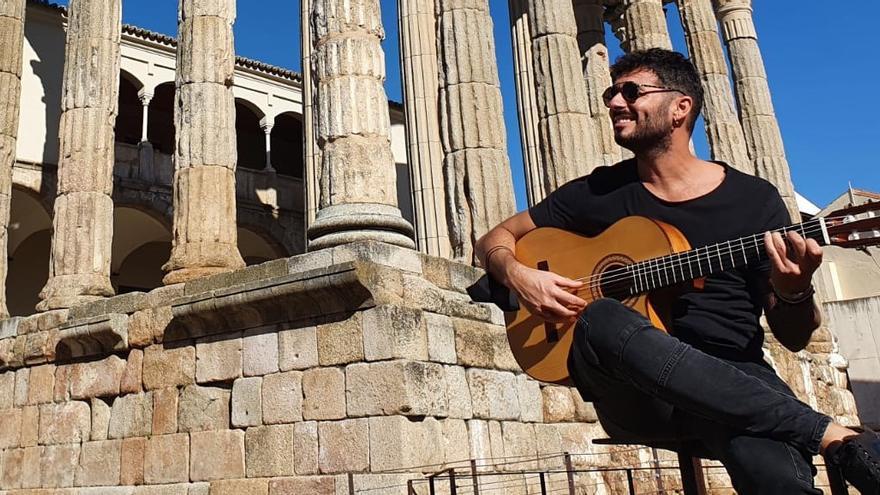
(664, 271)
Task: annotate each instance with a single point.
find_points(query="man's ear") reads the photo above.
(682, 109)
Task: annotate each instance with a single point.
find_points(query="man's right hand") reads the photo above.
(546, 294)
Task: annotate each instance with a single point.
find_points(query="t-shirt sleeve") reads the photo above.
(559, 209)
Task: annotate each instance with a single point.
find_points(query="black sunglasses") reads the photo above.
(632, 91)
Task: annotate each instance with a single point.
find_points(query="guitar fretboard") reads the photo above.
(664, 271)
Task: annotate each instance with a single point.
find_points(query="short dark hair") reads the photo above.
(673, 70)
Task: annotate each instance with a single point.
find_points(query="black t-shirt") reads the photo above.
(721, 318)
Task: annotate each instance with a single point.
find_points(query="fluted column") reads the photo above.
(590, 18)
(205, 237)
(725, 135)
(12, 36)
(79, 267)
(311, 153)
(640, 24)
(762, 136)
(568, 144)
(479, 188)
(527, 111)
(418, 47)
(358, 193)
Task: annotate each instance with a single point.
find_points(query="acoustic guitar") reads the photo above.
(640, 261)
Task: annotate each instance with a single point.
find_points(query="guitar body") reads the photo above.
(540, 348)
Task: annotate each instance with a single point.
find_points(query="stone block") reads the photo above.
(7, 389)
(344, 446)
(441, 338)
(483, 345)
(323, 394)
(30, 467)
(10, 468)
(30, 426)
(218, 358)
(132, 376)
(58, 465)
(131, 416)
(396, 443)
(528, 392)
(519, 442)
(62, 383)
(131, 470)
(340, 342)
(68, 422)
(176, 489)
(96, 378)
(298, 349)
(166, 459)
(166, 367)
(148, 326)
(101, 413)
(558, 404)
(99, 463)
(313, 485)
(270, 451)
(584, 412)
(240, 487)
(396, 387)
(10, 428)
(454, 435)
(549, 443)
(393, 332)
(305, 447)
(282, 397)
(259, 352)
(247, 402)
(217, 455)
(41, 386)
(203, 408)
(493, 394)
(20, 397)
(165, 406)
(458, 393)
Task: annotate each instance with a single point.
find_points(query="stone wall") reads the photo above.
(286, 377)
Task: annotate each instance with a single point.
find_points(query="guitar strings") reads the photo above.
(644, 267)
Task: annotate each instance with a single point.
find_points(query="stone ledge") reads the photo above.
(92, 336)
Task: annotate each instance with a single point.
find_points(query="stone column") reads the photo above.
(640, 24)
(266, 126)
(527, 111)
(590, 18)
(12, 36)
(79, 267)
(311, 153)
(479, 188)
(205, 237)
(418, 49)
(762, 136)
(725, 135)
(358, 193)
(568, 142)
(145, 98)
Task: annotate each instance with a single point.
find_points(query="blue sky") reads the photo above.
(823, 70)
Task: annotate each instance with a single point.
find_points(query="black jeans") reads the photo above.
(646, 384)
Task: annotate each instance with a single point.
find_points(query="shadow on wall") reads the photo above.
(47, 66)
(867, 395)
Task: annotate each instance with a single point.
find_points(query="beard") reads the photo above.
(651, 135)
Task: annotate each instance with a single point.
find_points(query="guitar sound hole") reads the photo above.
(615, 283)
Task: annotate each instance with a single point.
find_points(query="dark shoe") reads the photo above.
(858, 458)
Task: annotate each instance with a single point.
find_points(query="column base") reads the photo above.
(193, 260)
(342, 224)
(66, 291)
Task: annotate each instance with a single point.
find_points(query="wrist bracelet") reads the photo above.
(492, 251)
(797, 297)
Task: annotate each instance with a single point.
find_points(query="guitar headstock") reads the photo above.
(855, 226)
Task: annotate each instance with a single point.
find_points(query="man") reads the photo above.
(706, 380)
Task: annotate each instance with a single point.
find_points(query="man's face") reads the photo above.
(646, 123)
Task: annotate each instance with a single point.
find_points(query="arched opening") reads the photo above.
(255, 249)
(160, 125)
(129, 118)
(287, 145)
(249, 136)
(29, 242)
(141, 245)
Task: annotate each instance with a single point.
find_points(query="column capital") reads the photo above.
(145, 96)
(735, 17)
(266, 125)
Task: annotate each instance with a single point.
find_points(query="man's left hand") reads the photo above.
(793, 264)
